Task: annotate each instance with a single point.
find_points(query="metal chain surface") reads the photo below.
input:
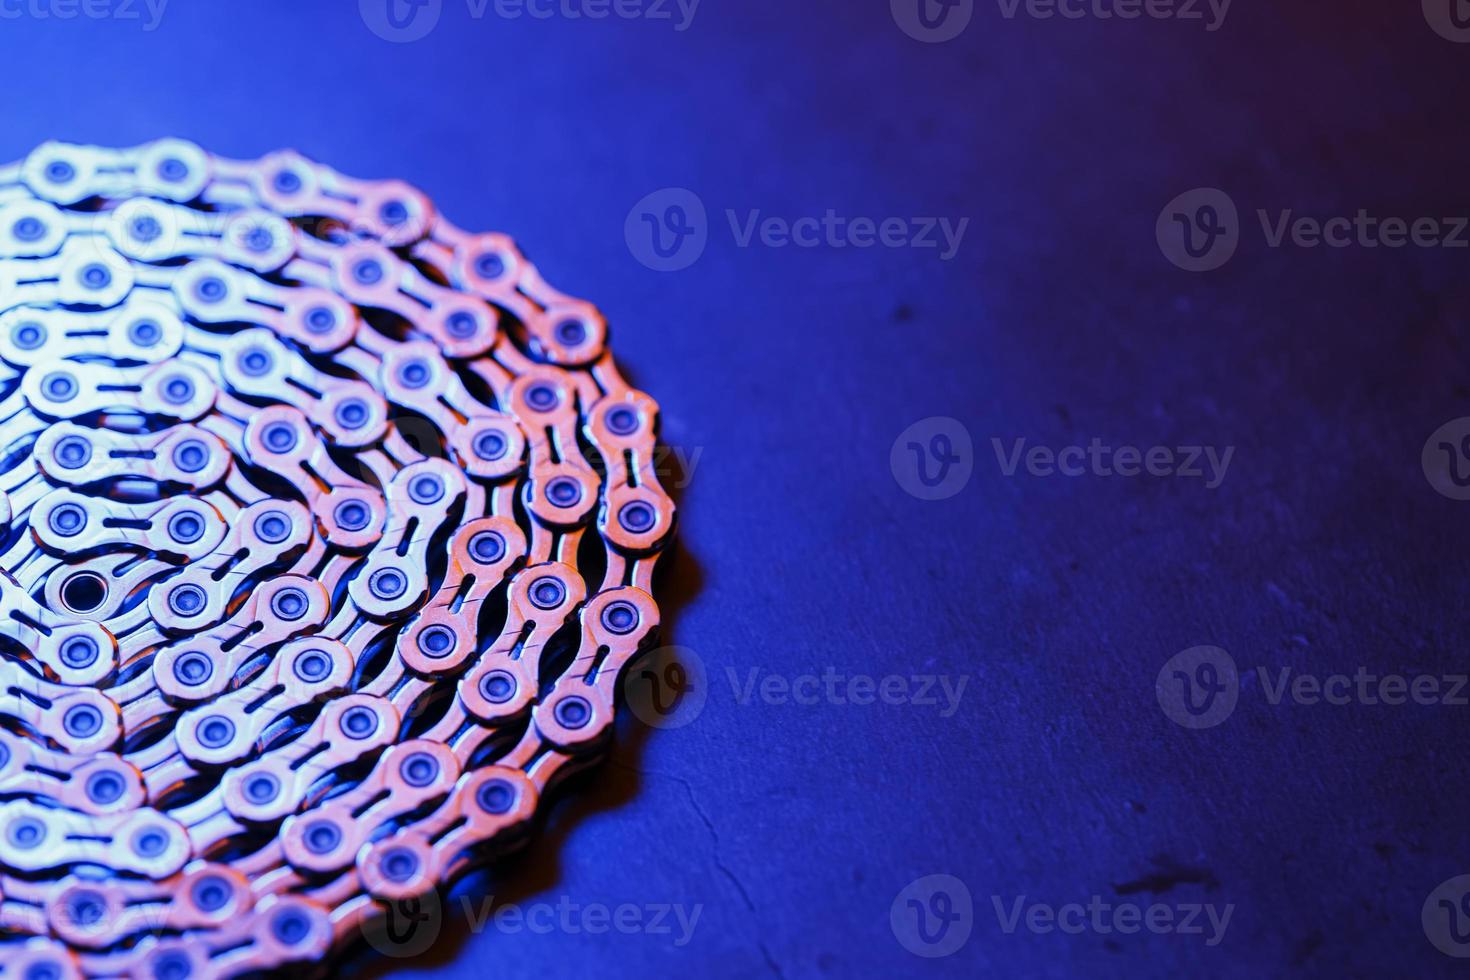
(303, 487)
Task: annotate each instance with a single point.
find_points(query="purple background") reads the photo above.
(793, 370)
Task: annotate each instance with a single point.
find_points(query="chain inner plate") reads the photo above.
(329, 532)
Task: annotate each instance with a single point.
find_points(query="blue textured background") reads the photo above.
(793, 370)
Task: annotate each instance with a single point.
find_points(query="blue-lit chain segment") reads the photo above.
(329, 531)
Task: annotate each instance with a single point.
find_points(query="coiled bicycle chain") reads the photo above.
(298, 482)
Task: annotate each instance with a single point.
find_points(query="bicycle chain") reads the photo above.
(297, 486)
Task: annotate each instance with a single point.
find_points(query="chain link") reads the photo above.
(297, 488)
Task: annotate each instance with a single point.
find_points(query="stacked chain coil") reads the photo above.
(329, 531)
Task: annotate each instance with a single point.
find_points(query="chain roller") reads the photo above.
(329, 531)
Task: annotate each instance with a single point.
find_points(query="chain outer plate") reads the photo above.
(297, 495)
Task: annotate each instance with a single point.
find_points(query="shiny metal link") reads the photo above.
(294, 614)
